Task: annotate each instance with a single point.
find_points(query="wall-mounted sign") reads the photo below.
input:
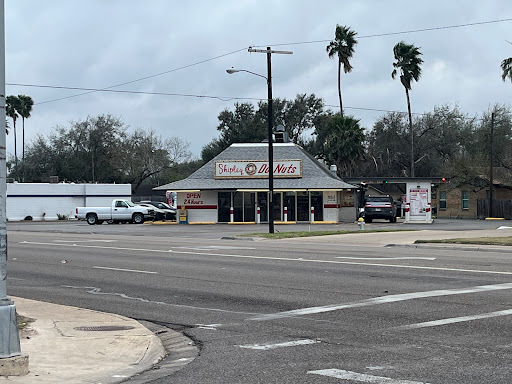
(243, 169)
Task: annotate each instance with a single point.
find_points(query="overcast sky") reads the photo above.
(184, 48)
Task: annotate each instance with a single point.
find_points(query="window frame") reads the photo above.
(464, 197)
(442, 199)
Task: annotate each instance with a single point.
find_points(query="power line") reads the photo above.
(91, 90)
(222, 98)
(394, 33)
(105, 89)
(134, 81)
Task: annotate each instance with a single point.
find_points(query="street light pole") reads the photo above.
(269, 52)
(9, 336)
(270, 148)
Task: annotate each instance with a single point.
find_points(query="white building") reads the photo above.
(46, 201)
(238, 178)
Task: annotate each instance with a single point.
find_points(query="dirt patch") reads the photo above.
(24, 328)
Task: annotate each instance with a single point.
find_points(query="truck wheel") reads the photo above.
(138, 218)
(91, 218)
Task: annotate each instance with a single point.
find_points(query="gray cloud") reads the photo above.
(97, 43)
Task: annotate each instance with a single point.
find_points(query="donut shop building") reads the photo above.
(233, 188)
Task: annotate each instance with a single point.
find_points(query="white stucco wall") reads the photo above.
(201, 206)
(331, 200)
(43, 201)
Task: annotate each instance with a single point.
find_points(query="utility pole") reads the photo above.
(491, 172)
(9, 336)
(269, 53)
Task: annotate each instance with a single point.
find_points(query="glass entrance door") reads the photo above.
(303, 206)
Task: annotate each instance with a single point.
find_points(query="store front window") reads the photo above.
(238, 207)
(277, 206)
(223, 206)
(244, 205)
(302, 206)
(289, 203)
(249, 206)
(262, 203)
(318, 204)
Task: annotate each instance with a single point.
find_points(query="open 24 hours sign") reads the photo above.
(243, 169)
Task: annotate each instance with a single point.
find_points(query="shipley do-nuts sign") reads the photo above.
(256, 169)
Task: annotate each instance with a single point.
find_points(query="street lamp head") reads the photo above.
(233, 70)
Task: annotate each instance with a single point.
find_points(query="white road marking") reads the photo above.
(208, 326)
(361, 377)
(126, 270)
(386, 258)
(85, 241)
(383, 300)
(280, 345)
(278, 258)
(207, 247)
(454, 320)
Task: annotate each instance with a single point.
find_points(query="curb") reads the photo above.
(457, 247)
(180, 352)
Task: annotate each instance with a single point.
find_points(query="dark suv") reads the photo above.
(379, 207)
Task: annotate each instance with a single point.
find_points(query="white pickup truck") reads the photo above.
(119, 211)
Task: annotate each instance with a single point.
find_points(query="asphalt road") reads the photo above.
(310, 310)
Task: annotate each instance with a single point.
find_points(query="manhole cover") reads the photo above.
(104, 328)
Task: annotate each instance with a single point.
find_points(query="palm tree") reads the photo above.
(25, 107)
(506, 67)
(11, 106)
(408, 62)
(343, 46)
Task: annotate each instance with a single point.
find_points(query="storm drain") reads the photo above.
(104, 328)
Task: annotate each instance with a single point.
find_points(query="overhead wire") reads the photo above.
(222, 98)
(109, 88)
(140, 79)
(91, 90)
(395, 33)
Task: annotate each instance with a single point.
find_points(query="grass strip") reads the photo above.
(288, 235)
(507, 241)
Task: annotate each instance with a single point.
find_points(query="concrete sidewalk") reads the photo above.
(382, 239)
(74, 345)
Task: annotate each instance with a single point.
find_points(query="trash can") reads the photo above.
(183, 216)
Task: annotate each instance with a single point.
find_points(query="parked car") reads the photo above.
(158, 214)
(379, 207)
(170, 212)
(119, 211)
